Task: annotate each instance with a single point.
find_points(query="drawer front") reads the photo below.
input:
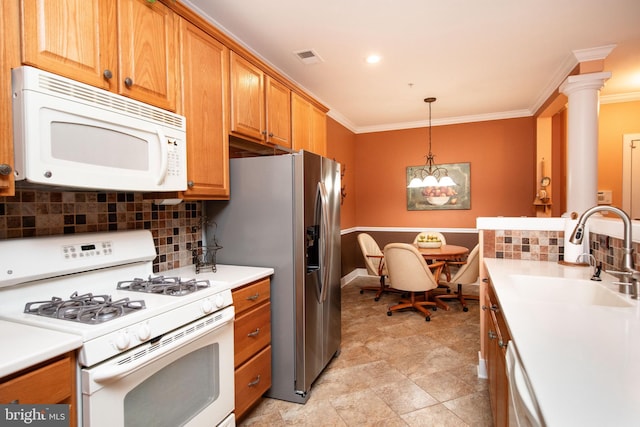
(251, 295)
(253, 379)
(49, 384)
(252, 332)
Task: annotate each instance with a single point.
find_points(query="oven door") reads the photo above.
(184, 378)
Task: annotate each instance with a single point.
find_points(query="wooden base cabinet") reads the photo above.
(498, 338)
(52, 382)
(252, 341)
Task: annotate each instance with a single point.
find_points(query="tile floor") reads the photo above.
(393, 371)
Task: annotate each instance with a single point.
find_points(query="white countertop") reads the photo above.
(24, 346)
(233, 275)
(583, 361)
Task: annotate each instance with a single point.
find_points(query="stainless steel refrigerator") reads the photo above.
(284, 213)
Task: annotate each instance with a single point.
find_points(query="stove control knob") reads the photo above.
(123, 340)
(207, 306)
(144, 333)
(219, 301)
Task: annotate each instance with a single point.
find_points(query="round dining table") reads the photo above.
(443, 253)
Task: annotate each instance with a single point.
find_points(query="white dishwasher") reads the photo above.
(523, 408)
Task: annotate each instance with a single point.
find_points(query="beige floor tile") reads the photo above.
(393, 370)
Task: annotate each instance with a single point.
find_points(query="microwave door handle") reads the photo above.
(164, 156)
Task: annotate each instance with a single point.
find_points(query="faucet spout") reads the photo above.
(578, 232)
(628, 267)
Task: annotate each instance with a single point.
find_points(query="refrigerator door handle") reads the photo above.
(325, 245)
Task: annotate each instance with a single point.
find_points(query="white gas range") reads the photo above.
(135, 344)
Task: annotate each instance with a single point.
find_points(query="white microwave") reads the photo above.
(72, 135)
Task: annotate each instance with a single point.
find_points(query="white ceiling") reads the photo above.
(482, 59)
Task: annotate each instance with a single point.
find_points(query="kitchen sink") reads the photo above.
(566, 291)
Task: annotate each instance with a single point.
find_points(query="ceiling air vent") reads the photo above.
(308, 56)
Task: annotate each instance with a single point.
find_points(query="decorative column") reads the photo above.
(583, 92)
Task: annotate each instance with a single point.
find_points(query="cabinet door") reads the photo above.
(204, 103)
(73, 38)
(148, 61)
(9, 58)
(301, 123)
(318, 131)
(278, 104)
(247, 99)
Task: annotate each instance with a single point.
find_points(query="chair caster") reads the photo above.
(427, 319)
(465, 309)
(376, 299)
(389, 313)
(361, 291)
(448, 290)
(434, 308)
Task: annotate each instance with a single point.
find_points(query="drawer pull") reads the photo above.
(254, 333)
(254, 382)
(494, 308)
(492, 335)
(253, 297)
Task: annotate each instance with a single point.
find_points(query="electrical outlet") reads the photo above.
(604, 197)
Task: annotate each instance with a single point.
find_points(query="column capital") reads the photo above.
(592, 81)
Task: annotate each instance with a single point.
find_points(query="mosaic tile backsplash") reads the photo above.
(549, 246)
(176, 229)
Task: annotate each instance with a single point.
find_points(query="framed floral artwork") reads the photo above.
(440, 197)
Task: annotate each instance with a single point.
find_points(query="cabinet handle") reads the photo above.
(5, 169)
(128, 82)
(501, 344)
(492, 335)
(485, 280)
(254, 382)
(253, 297)
(190, 184)
(271, 135)
(107, 74)
(494, 308)
(254, 333)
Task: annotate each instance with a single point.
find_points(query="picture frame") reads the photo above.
(426, 198)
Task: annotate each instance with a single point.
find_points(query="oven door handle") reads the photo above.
(127, 363)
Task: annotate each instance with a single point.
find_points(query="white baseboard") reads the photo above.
(482, 367)
(344, 281)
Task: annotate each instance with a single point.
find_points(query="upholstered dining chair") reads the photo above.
(375, 263)
(409, 272)
(464, 284)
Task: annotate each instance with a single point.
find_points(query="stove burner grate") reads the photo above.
(85, 308)
(173, 286)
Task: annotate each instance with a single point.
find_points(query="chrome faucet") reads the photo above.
(629, 274)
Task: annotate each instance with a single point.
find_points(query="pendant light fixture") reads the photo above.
(431, 175)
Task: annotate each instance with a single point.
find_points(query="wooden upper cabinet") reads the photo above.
(125, 46)
(309, 126)
(148, 60)
(247, 99)
(260, 105)
(278, 110)
(205, 74)
(73, 38)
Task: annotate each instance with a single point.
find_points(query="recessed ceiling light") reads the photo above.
(373, 59)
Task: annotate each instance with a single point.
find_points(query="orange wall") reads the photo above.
(615, 120)
(501, 154)
(341, 147)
